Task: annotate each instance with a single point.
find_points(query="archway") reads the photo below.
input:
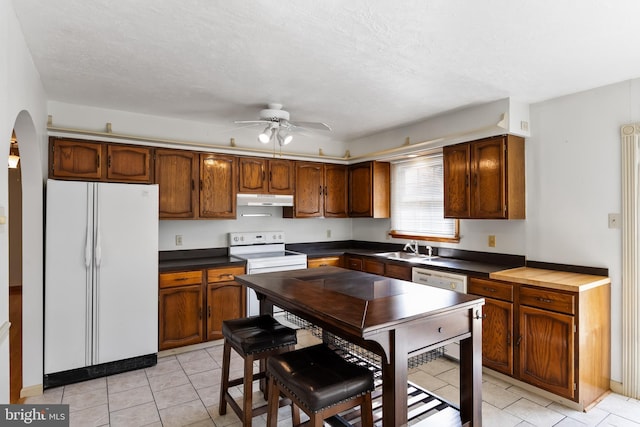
(15, 270)
(32, 242)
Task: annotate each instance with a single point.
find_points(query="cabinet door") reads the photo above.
(360, 185)
(180, 316)
(488, 173)
(71, 159)
(281, 176)
(309, 186)
(218, 177)
(398, 271)
(224, 301)
(497, 336)
(252, 175)
(373, 266)
(335, 191)
(456, 172)
(176, 175)
(547, 350)
(128, 164)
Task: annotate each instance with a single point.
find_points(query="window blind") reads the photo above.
(417, 203)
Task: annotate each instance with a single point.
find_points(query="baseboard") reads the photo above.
(32, 390)
(188, 348)
(616, 387)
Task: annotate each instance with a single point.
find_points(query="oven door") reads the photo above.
(253, 306)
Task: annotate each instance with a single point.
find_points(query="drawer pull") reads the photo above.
(490, 289)
(545, 300)
(230, 276)
(181, 279)
(323, 265)
(479, 316)
(518, 341)
(440, 330)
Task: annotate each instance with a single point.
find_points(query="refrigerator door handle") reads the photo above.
(87, 246)
(98, 247)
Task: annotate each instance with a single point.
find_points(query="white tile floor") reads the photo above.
(183, 390)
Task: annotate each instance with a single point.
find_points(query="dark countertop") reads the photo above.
(479, 264)
(473, 263)
(195, 259)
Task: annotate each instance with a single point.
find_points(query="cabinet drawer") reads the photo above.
(372, 266)
(181, 278)
(548, 300)
(491, 289)
(354, 263)
(225, 274)
(402, 272)
(324, 262)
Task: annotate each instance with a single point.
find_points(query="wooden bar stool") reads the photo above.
(319, 382)
(253, 338)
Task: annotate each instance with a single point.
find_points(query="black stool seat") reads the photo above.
(253, 338)
(318, 377)
(257, 334)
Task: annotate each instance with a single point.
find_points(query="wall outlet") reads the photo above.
(614, 220)
(328, 232)
(492, 241)
(178, 239)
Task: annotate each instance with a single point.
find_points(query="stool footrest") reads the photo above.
(258, 410)
(238, 381)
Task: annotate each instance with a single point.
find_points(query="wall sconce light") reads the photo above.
(14, 156)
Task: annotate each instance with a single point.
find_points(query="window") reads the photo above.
(417, 201)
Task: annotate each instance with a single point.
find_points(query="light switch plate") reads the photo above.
(614, 220)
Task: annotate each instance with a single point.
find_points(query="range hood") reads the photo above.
(265, 200)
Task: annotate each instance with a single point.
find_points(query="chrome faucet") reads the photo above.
(413, 246)
(429, 250)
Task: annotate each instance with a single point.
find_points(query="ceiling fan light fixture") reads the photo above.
(265, 136)
(284, 137)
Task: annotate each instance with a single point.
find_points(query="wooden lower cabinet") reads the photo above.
(398, 271)
(192, 305)
(225, 299)
(556, 340)
(180, 316)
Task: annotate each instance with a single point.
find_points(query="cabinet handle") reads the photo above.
(325, 191)
(490, 289)
(263, 175)
(508, 338)
(475, 180)
(181, 279)
(270, 176)
(323, 265)
(193, 185)
(320, 190)
(518, 341)
(230, 276)
(109, 162)
(466, 180)
(200, 313)
(209, 311)
(98, 161)
(545, 300)
(479, 316)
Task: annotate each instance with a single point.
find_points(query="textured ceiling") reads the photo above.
(359, 65)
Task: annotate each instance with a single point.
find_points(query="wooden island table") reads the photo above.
(392, 318)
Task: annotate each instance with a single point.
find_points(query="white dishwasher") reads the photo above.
(443, 280)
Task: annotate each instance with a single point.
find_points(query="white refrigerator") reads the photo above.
(101, 274)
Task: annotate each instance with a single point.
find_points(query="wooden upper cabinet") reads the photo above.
(252, 175)
(259, 175)
(321, 191)
(176, 173)
(97, 161)
(457, 172)
(129, 164)
(73, 159)
(308, 201)
(281, 176)
(484, 179)
(369, 190)
(335, 191)
(218, 177)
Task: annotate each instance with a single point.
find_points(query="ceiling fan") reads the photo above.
(278, 126)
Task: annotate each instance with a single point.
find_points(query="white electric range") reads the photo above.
(264, 253)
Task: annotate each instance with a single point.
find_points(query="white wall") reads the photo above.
(23, 107)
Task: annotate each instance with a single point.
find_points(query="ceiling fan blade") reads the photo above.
(251, 121)
(310, 125)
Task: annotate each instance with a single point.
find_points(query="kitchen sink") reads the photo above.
(406, 256)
